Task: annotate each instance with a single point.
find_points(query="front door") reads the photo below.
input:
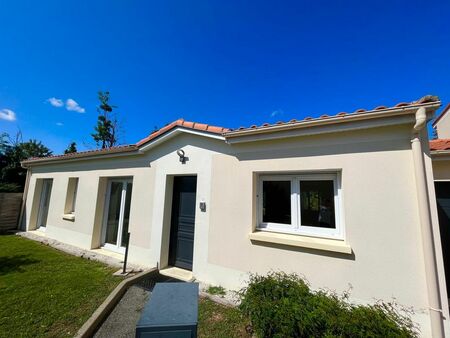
(44, 203)
(181, 247)
(443, 206)
(117, 214)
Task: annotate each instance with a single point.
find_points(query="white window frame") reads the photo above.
(296, 227)
(47, 185)
(115, 247)
(75, 180)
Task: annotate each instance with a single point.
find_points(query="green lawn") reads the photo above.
(45, 292)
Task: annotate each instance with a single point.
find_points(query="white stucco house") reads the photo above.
(343, 200)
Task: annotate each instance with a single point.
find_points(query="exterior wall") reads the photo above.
(441, 168)
(379, 205)
(149, 205)
(443, 126)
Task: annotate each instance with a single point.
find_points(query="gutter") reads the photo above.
(439, 153)
(431, 270)
(132, 150)
(367, 115)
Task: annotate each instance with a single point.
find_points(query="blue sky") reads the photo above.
(227, 63)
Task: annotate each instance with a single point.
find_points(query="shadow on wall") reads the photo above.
(9, 264)
(314, 252)
(331, 148)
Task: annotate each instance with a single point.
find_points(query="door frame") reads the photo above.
(445, 255)
(170, 250)
(111, 247)
(47, 184)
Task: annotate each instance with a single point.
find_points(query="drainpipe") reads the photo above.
(431, 273)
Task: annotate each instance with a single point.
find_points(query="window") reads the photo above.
(71, 197)
(300, 204)
(117, 214)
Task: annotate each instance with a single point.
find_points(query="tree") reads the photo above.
(14, 151)
(106, 129)
(3, 143)
(72, 148)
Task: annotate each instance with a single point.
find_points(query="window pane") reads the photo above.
(317, 204)
(277, 202)
(112, 225)
(126, 216)
(74, 197)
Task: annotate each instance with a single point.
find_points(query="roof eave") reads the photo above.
(440, 153)
(337, 120)
(82, 156)
(144, 146)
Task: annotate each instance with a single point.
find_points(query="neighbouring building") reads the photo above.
(441, 124)
(440, 154)
(343, 200)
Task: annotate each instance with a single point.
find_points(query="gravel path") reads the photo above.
(122, 321)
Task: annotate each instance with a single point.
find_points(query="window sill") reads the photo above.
(301, 241)
(69, 217)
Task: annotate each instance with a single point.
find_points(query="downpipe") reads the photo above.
(426, 225)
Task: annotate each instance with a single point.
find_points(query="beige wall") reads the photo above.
(441, 168)
(379, 205)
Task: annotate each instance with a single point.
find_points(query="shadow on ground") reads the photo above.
(9, 264)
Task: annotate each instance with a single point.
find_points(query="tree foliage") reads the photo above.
(72, 148)
(12, 152)
(106, 130)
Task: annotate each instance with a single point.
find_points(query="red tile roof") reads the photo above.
(440, 144)
(181, 123)
(133, 147)
(87, 153)
(184, 124)
(424, 99)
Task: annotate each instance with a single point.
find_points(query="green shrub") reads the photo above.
(283, 305)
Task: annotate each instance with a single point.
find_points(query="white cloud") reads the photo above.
(276, 112)
(7, 114)
(72, 105)
(59, 124)
(55, 102)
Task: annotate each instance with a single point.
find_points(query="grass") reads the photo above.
(48, 293)
(45, 292)
(217, 320)
(216, 290)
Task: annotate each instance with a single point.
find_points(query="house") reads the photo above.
(342, 200)
(441, 124)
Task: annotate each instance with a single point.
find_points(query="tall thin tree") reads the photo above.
(106, 129)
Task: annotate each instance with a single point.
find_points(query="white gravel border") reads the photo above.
(79, 252)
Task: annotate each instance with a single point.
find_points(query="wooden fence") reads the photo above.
(10, 204)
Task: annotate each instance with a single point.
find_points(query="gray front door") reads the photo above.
(181, 246)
